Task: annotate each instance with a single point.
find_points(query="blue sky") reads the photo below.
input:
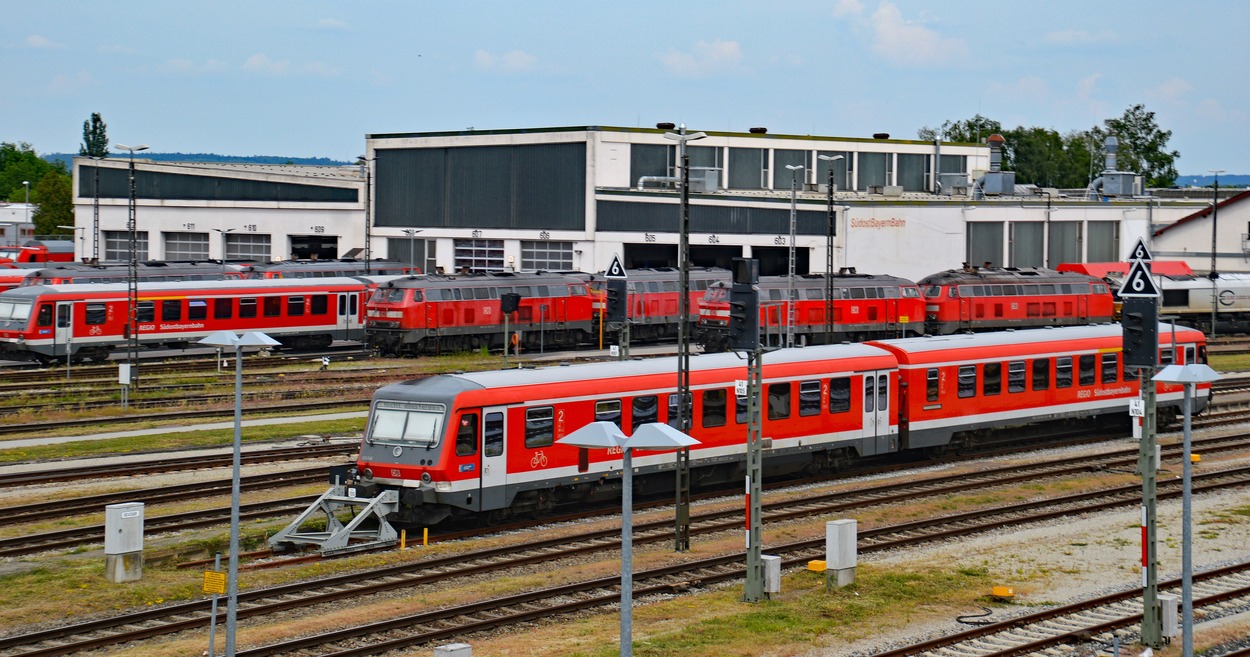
(312, 78)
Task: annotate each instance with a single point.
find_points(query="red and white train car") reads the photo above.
(653, 301)
(485, 443)
(43, 322)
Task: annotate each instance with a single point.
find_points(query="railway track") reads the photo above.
(460, 621)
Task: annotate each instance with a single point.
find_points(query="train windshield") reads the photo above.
(933, 292)
(403, 423)
(14, 311)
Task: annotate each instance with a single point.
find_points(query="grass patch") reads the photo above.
(1229, 362)
(176, 439)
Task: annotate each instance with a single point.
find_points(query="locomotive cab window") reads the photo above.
(715, 407)
(931, 388)
(44, 318)
(967, 381)
(779, 401)
(466, 435)
(540, 426)
(1015, 376)
(406, 424)
(1063, 372)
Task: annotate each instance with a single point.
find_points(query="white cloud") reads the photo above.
(514, 61)
(1172, 89)
(261, 63)
(41, 41)
(848, 8)
(706, 59)
(910, 43)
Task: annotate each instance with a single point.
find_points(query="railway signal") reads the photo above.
(744, 306)
(1140, 320)
(616, 300)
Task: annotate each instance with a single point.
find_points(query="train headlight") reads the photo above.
(443, 487)
(425, 478)
(368, 473)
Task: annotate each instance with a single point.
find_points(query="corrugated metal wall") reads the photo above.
(535, 187)
(618, 216)
(115, 183)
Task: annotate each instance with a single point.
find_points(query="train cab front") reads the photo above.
(403, 450)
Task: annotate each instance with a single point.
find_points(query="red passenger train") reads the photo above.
(486, 444)
(865, 307)
(989, 299)
(91, 320)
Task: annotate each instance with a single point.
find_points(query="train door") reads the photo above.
(876, 387)
(494, 460)
(1082, 307)
(64, 328)
(349, 315)
(965, 312)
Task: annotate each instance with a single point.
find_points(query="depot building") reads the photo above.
(572, 198)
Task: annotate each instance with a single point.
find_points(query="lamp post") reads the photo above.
(132, 274)
(831, 232)
(606, 435)
(1215, 217)
(227, 339)
(17, 233)
(794, 191)
(1188, 375)
(82, 245)
(412, 248)
(364, 169)
(681, 539)
(224, 247)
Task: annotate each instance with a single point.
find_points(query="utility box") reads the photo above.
(841, 555)
(1168, 604)
(772, 573)
(454, 650)
(123, 542)
(704, 180)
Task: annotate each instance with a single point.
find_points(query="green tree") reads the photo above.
(19, 162)
(1144, 146)
(1083, 151)
(972, 131)
(1038, 156)
(95, 141)
(56, 205)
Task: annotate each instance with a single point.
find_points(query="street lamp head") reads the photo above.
(596, 435)
(132, 149)
(795, 167)
(1191, 373)
(657, 436)
(831, 158)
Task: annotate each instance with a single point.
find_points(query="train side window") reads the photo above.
(967, 381)
(492, 434)
(223, 308)
(1041, 374)
(1110, 368)
(481, 293)
(645, 409)
(1063, 372)
(840, 395)
(779, 401)
(715, 407)
(45, 315)
(992, 384)
(247, 308)
(672, 410)
(318, 304)
(97, 313)
(147, 311)
(62, 315)
(742, 409)
(1086, 370)
(1189, 354)
(171, 310)
(608, 411)
(353, 300)
(883, 392)
(932, 380)
(1202, 354)
(540, 426)
(295, 306)
(466, 435)
(273, 307)
(869, 399)
(1099, 288)
(1165, 356)
(1015, 376)
(809, 398)
(197, 309)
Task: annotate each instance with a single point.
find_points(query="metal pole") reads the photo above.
(17, 234)
(831, 231)
(132, 281)
(1214, 275)
(794, 181)
(627, 553)
(754, 588)
(1152, 617)
(69, 341)
(368, 219)
(95, 213)
(1187, 536)
(681, 534)
(232, 589)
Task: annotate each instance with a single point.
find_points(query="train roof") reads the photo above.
(1119, 269)
(665, 273)
(1005, 342)
(423, 388)
(498, 279)
(1201, 282)
(320, 265)
(1005, 275)
(259, 285)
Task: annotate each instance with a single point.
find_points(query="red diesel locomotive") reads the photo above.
(989, 299)
(485, 444)
(865, 307)
(432, 313)
(91, 320)
(653, 302)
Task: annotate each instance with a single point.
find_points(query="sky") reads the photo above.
(312, 78)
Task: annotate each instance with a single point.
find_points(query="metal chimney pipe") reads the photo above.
(1111, 144)
(995, 142)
